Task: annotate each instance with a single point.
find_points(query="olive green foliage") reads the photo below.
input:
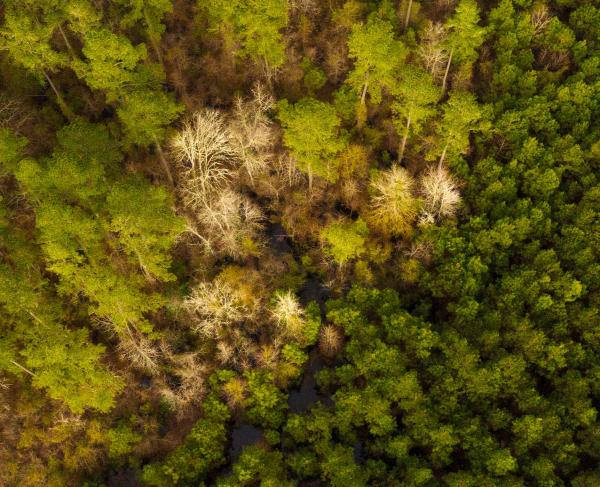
(456, 152)
(256, 464)
(202, 450)
(122, 439)
(265, 404)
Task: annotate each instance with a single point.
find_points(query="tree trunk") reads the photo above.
(66, 111)
(443, 156)
(164, 162)
(152, 38)
(23, 368)
(403, 146)
(447, 71)
(406, 20)
(363, 96)
(66, 39)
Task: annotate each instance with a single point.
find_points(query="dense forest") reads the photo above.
(299, 243)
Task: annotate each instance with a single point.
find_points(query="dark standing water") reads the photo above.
(123, 478)
(241, 436)
(278, 239)
(314, 290)
(299, 400)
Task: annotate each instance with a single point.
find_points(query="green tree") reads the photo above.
(462, 115)
(80, 209)
(202, 450)
(345, 240)
(150, 13)
(253, 25)
(110, 62)
(377, 57)
(145, 115)
(142, 217)
(27, 41)
(465, 35)
(415, 104)
(311, 131)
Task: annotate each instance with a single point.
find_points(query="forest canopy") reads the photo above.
(299, 243)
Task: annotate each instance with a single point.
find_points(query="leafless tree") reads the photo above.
(191, 375)
(540, 17)
(236, 349)
(330, 340)
(215, 306)
(252, 133)
(433, 53)
(288, 314)
(204, 152)
(232, 223)
(140, 352)
(441, 197)
(12, 113)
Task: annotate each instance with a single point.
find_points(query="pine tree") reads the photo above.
(311, 131)
(415, 103)
(377, 57)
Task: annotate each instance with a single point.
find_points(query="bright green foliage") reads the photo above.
(28, 42)
(145, 114)
(253, 25)
(377, 57)
(63, 360)
(202, 450)
(110, 63)
(146, 226)
(345, 241)
(462, 115)
(415, 103)
(312, 134)
(465, 34)
(78, 215)
(66, 364)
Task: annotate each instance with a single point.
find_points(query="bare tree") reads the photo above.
(140, 352)
(232, 223)
(433, 53)
(540, 17)
(12, 113)
(330, 340)
(215, 306)
(252, 133)
(441, 197)
(288, 314)
(191, 375)
(203, 151)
